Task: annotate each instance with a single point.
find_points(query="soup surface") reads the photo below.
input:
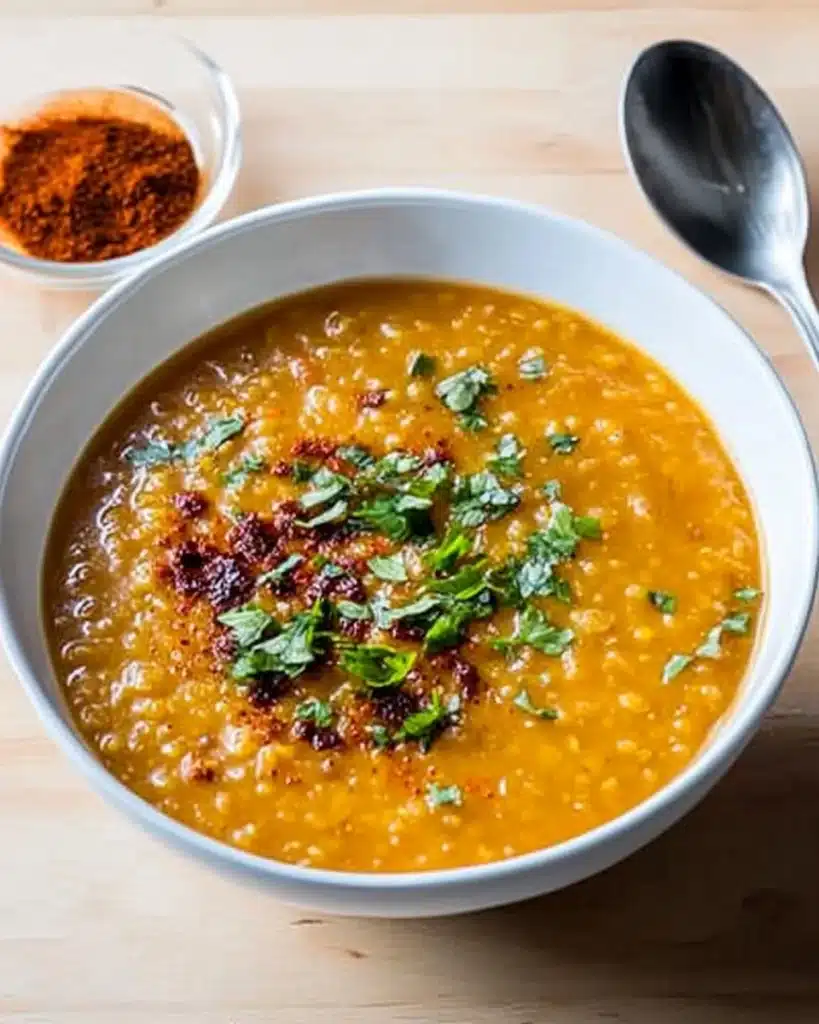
(401, 576)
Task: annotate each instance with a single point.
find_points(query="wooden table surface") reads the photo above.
(717, 922)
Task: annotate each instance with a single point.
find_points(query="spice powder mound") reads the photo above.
(92, 188)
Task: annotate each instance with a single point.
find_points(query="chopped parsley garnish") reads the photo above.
(296, 646)
(283, 569)
(334, 514)
(248, 624)
(532, 366)
(563, 444)
(675, 664)
(326, 486)
(480, 497)
(425, 725)
(248, 465)
(380, 736)
(439, 796)
(737, 623)
(421, 365)
(663, 601)
(377, 665)
(155, 453)
(455, 545)
(524, 702)
(314, 710)
(399, 516)
(747, 594)
(552, 490)
(462, 394)
(389, 568)
(508, 457)
(354, 611)
(448, 628)
(386, 616)
(301, 471)
(357, 456)
(396, 464)
(533, 629)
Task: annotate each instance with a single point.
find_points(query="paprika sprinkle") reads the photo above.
(85, 188)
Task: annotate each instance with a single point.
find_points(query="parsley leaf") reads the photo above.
(675, 664)
(508, 458)
(737, 622)
(378, 665)
(380, 736)
(479, 498)
(281, 570)
(533, 629)
(154, 453)
(396, 464)
(532, 366)
(390, 568)
(248, 624)
(466, 583)
(301, 471)
(552, 490)
(357, 456)
(326, 486)
(238, 475)
(747, 594)
(289, 652)
(524, 702)
(563, 444)
(438, 796)
(448, 628)
(663, 601)
(218, 432)
(420, 365)
(354, 611)
(399, 516)
(710, 647)
(386, 616)
(455, 544)
(315, 710)
(425, 725)
(334, 514)
(462, 393)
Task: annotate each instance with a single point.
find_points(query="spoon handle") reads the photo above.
(795, 295)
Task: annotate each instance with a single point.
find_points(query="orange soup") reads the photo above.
(399, 576)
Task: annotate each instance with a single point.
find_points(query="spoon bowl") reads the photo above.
(716, 161)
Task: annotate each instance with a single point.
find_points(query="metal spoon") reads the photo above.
(718, 164)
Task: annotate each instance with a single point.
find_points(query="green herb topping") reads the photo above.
(421, 365)
(284, 568)
(390, 568)
(439, 796)
(314, 710)
(463, 392)
(508, 457)
(533, 629)
(563, 444)
(377, 665)
(524, 702)
(663, 601)
(247, 465)
(480, 498)
(155, 453)
(532, 366)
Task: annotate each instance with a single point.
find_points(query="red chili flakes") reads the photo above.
(190, 504)
(463, 672)
(228, 582)
(223, 646)
(282, 468)
(283, 524)
(252, 538)
(345, 586)
(267, 690)
(319, 737)
(371, 399)
(314, 447)
(186, 567)
(392, 708)
(403, 630)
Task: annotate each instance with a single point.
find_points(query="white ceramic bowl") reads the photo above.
(289, 248)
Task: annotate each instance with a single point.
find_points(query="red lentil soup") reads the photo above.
(402, 575)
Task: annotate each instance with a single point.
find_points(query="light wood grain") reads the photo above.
(716, 923)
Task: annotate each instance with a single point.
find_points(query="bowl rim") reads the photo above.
(101, 272)
(737, 729)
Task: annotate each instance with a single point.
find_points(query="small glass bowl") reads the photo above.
(151, 66)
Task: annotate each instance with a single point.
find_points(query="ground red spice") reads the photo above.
(84, 189)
